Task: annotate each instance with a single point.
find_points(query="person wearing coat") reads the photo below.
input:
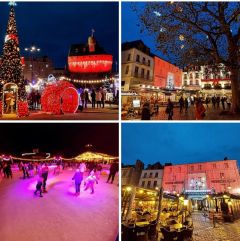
(113, 170)
(78, 177)
(146, 113)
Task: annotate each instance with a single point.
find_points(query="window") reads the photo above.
(145, 175)
(129, 57)
(197, 82)
(226, 165)
(191, 82)
(179, 169)
(174, 178)
(149, 62)
(149, 184)
(199, 167)
(155, 184)
(124, 173)
(143, 60)
(148, 74)
(136, 72)
(138, 58)
(221, 175)
(170, 170)
(127, 69)
(156, 174)
(142, 73)
(214, 166)
(191, 76)
(192, 168)
(185, 76)
(150, 175)
(185, 82)
(197, 75)
(143, 183)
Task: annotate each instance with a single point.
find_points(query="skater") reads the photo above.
(113, 170)
(8, 170)
(39, 186)
(44, 176)
(89, 182)
(78, 177)
(82, 167)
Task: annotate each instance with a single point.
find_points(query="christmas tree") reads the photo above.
(11, 70)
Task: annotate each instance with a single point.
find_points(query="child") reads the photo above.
(39, 186)
(90, 180)
(78, 177)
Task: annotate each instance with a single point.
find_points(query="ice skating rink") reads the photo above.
(59, 215)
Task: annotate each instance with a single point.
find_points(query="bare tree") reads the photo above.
(197, 33)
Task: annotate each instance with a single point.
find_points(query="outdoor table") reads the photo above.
(176, 226)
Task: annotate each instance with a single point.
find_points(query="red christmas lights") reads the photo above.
(57, 98)
(22, 108)
(90, 63)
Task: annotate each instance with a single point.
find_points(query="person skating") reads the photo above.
(78, 177)
(39, 186)
(44, 176)
(89, 182)
(113, 170)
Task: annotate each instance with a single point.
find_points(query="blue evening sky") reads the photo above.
(180, 143)
(54, 26)
(131, 30)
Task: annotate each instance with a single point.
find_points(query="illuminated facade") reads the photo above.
(198, 179)
(89, 58)
(166, 75)
(137, 65)
(210, 79)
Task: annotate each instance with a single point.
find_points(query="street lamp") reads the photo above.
(32, 50)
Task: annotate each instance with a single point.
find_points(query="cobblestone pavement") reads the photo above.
(211, 114)
(204, 230)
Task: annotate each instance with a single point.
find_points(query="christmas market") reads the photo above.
(31, 88)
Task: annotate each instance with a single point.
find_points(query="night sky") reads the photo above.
(131, 29)
(180, 143)
(54, 26)
(65, 139)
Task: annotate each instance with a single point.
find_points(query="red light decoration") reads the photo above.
(57, 98)
(90, 63)
(22, 61)
(70, 100)
(0, 107)
(22, 108)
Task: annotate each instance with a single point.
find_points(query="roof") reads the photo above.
(137, 44)
(83, 49)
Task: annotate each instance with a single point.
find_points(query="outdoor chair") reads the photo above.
(152, 232)
(169, 236)
(128, 233)
(141, 233)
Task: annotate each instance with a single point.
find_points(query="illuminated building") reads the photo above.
(166, 75)
(199, 179)
(210, 80)
(137, 65)
(89, 61)
(151, 179)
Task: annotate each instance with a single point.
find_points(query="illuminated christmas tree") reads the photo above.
(11, 68)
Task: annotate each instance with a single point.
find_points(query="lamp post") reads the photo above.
(32, 50)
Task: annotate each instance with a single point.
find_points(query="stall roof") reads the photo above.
(94, 155)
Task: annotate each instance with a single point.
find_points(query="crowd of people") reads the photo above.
(41, 170)
(200, 104)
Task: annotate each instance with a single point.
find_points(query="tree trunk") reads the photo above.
(235, 83)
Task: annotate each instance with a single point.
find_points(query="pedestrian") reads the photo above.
(89, 182)
(82, 97)
(200, 110)
(186, 105)
(214, 101)
(82, 167)
(146, 115)
(113, 170)
(169, 109)
(8, 170)
(181, 104)
(78, 177)
(228, 103)
(223, 102)
(86, 98)
(218, 102)
(39, 186)
(93, 96)
(102, 97)
(98, 171)
(207, 101)
(98, 98)
(44, 176)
